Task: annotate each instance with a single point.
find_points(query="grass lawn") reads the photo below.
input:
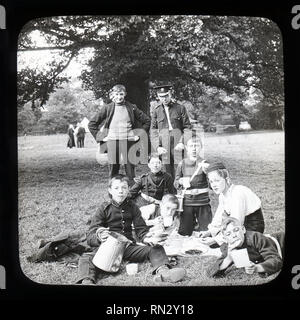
(59, 189)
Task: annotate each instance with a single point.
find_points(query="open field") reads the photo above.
(59, 189)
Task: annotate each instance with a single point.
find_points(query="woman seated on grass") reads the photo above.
(235, 201)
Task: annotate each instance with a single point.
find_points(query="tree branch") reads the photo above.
(76, 45)
(43, 48)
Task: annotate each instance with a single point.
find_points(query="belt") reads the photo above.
(196, 191)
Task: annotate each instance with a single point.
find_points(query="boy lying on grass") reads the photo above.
(234, 201)
(118, 215)
(264, 251)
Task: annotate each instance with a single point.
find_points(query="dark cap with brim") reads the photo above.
(215, 166)
(163, 89)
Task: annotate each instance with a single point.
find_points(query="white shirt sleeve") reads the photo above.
(242, 202)
(238, 207)
(215, 226)
(238, 203)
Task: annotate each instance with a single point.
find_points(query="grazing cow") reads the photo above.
(80, 137)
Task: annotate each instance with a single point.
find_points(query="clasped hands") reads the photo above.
(178, 147)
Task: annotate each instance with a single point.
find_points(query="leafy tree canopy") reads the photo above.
(230, 63)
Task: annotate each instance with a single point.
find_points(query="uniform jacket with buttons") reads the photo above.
(118, 218)
(178, 117)
(99, 124)
(155, 185)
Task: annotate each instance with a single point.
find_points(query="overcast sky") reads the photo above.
(39, 59)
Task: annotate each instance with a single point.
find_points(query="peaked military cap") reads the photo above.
(163, 89)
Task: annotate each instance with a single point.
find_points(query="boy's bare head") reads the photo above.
(233, 232)
(118, 188)
(194, 147)
(118, 88)
(168, 206)
(154, 164)
(117, 94)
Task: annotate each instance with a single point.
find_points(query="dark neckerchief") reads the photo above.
(156, 177)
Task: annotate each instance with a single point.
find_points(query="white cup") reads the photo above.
(251, 271)
(186, 182)
(168, 220)
(132, 268)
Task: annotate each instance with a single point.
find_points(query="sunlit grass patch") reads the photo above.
(60, 189)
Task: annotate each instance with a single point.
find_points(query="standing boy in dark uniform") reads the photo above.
(120, 119)
(169, 122)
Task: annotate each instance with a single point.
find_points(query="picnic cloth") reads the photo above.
(177, 244)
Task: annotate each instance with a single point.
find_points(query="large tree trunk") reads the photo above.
(137, 91)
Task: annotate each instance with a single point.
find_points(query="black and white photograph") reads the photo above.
(151, 150)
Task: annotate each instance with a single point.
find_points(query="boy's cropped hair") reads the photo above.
(120, 177)
(195, 139)
(117, 88)
(229, 220)
(223, 173)
(153, 155)
(170, 198)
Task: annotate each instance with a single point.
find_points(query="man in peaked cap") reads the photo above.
(168, 123)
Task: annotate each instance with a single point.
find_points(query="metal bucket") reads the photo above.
(110, 253)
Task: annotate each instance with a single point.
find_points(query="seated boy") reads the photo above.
(235, 201)
(149, 189)
(118, 215)
(165, 220)
(264, 251)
